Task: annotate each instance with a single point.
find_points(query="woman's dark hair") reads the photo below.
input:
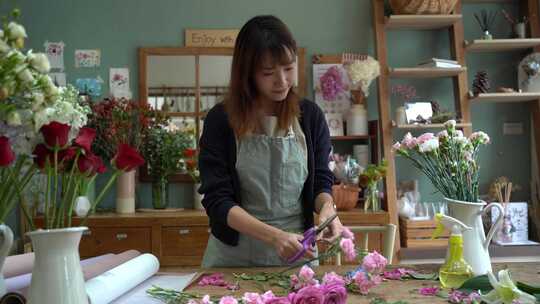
(259, 37)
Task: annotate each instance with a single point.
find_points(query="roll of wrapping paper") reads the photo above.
(17, 265)
(91, 268)
(13, 298)
(110, 285)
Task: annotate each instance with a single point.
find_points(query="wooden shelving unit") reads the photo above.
(429, 126)
(506, 97)
(425, 72)
(420, 22)
(500, 45)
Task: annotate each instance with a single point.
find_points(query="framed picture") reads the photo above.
(335, 123)
(418, 111)
(514, 230)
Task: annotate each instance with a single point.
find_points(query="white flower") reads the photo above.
(4, 47)
(14, 119)
(459, 133)
(505, 291)
(450, 124)
(38, 98)
(40, 62)
(362, 73)
(25, 76)
(461, 140)
(16, 31)
(429, 145)
(442, 134)
(481, 137)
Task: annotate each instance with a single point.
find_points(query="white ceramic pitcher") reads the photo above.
(475, 242)
(5, 247)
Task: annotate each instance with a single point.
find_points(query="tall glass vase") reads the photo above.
(371, 198)
(160, 192)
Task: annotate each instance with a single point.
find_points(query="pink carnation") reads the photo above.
(309, 295)
(252, 298)
(347, 246)
(333, 278)
(396, 146)
(396, 274)
(429, 291)
(228, 300)
(362, 281)
(306, 273)
(425, 137)
(334, 294)
(374, 263)
(267, 296)
(347, 233)
(409, 141)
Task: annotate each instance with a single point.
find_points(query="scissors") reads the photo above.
(310, 236)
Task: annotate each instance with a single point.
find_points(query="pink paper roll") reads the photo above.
(99, 267)
(17, 265)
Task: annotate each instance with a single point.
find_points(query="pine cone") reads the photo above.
(481, 83)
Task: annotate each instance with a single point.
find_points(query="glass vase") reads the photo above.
(371, 198)
(160, 193)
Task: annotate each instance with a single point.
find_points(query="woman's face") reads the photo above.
(275, 79)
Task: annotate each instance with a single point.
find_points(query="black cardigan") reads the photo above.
(217, 165)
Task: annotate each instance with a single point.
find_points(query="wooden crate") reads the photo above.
(416, 234)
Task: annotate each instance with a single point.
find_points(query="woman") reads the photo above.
(264, 156)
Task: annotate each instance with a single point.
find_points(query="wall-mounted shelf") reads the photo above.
(505, 97)
(420, 22)
(499, 45)
(428, 126)
(425, 72)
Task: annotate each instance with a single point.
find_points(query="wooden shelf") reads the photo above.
(506, 97)
(420, 22)
(425, 72)
(429, 126)
(350, 137)
(491, 1)
(499, 45)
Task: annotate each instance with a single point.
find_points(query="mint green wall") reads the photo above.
(119, 27)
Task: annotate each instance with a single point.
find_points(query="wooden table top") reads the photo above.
(389, 290)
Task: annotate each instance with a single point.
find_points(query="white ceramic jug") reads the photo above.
(475, 242)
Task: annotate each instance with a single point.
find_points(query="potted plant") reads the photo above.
(163, 150)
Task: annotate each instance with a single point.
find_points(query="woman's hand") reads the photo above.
(334, 229)
(289, 244)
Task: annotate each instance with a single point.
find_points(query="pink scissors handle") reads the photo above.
(307, 242)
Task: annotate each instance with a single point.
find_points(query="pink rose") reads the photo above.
(334, 294)
(228, 300)
(347, 233)
(347, 246)
(267, 296)
(252, 298)
(374, 263)
(333, 278)
(278, 300)
(309, 295)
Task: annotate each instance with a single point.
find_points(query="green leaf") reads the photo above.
(534, 290)
(260, 278)
(477, 283)
(424, 276)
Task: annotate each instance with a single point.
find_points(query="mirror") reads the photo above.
(185, 83)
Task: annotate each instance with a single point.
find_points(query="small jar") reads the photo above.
(401, 116)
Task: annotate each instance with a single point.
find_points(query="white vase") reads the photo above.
(125, 192)
(82, 206)
(57, 276)
(5, 246)
(357, 123)
(197, 197)
(475, 242)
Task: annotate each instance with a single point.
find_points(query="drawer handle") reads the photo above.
(183, 231)
(87, 232)
(121, 236)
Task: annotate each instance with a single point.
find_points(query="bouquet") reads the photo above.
(362, 73)
(448, 159)
(369, 180)
(191, 164)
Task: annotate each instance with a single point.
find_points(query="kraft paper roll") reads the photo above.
(112, 284)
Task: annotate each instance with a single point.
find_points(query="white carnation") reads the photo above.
(429, 145)
(16, 31)
(40, 62)
(4, 47)
(14, 119)
(26, 76)
(450, 124)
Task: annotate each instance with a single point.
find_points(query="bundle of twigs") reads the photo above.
(485, 19)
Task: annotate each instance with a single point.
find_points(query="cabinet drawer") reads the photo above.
(102, 240)
(184, 241)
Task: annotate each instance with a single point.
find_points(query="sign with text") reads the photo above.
(210, 38)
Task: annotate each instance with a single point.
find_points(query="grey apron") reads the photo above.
(272, 171)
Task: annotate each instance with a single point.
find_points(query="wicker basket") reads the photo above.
(420, 7)
(345, 196)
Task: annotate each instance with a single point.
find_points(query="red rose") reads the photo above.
(42, 153)
(55, 134)
(85, 138)
(127, 158)
(189, 152)
(191, 164)
(90, 164)
(66, 154)
(6, 154)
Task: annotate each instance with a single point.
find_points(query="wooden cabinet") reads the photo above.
(176, 238)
